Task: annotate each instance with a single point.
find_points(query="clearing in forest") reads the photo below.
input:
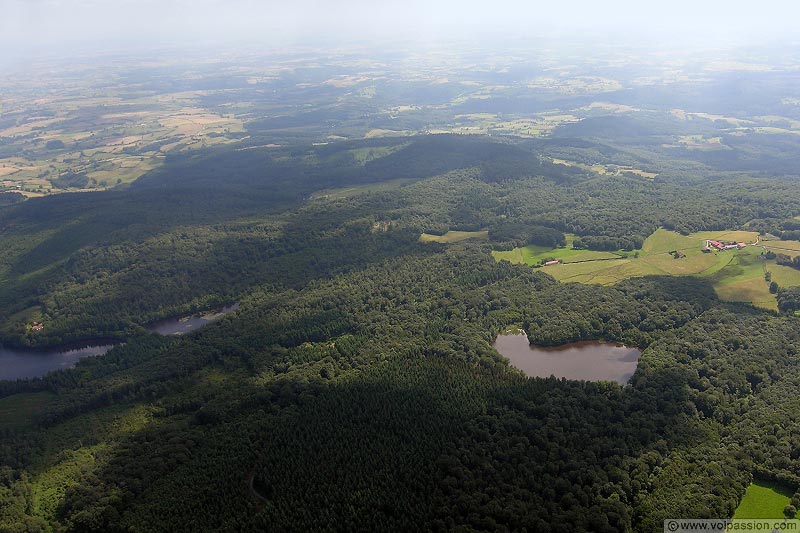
(763, 500)
(454, 236)
(737, 275)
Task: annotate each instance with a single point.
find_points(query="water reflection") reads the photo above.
(18, 364)
(186, 324)
(584, 360)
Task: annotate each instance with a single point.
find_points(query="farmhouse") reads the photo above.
(37, 326)
(553, 262)
(723, 245)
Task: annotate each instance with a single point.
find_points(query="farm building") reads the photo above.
(722, 245)
(553, 262)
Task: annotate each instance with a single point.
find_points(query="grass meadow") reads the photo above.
(737, 275)
(763, 500)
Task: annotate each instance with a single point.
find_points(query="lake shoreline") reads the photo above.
(26, 364)
(63, 346)
(188, 323)
(583, 360)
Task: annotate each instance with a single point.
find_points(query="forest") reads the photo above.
(356, 386)
(105, 265)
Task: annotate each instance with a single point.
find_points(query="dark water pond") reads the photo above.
(20, 363)
(584, 360)
(185, 324)
(16, 364)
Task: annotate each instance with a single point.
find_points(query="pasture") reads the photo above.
(785, 276)
(763, 500)
(784, 247)
(532, 255)
(737, 275)
(606, 170)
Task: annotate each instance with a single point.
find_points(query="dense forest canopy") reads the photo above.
(356, 386)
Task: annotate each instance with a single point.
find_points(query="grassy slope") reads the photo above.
(742, 280)
(763, 500)
(791, 248)
(785, 276)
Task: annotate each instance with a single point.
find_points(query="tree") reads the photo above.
(54, 144)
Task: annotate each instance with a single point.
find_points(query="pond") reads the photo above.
(21, 363)
(583, 360)
(185, 324)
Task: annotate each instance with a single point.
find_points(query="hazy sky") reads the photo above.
(29, 23)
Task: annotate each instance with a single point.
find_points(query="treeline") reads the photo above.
(608, 243)
(787, 230)
(789, 299)
(518, 234)
(785, 260)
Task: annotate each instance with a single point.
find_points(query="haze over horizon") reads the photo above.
(28, 25)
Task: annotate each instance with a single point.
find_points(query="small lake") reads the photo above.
(583, 360)
(186, 324)
(17, 364)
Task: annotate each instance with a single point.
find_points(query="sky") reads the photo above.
(59, 24)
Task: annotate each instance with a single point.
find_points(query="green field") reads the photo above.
(791, 248)
(454, 236)
(737, 275)
(742, 279)
(785, 276)
(533, 255)
(763, 500)
(606, 170)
